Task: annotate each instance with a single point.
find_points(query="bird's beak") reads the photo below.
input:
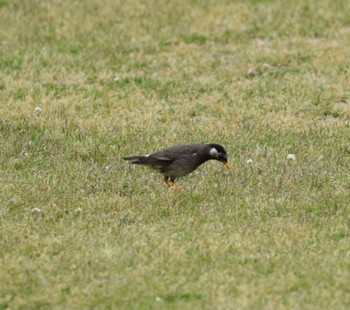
(228, 165)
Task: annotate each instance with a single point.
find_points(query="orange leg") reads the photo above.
(170, 183)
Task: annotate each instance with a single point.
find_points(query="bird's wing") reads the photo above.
(157, 163)
(148, 160)
(178, 151)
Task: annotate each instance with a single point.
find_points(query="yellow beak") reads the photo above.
(228, 166)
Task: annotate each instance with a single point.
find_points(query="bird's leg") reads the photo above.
(166, 180)
(172, 182)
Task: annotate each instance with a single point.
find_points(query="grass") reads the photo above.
(81, 229)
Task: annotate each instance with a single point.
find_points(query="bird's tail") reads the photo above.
(137, 160)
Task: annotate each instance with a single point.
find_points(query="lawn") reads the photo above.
(85, 83)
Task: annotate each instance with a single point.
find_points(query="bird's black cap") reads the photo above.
(218, 147)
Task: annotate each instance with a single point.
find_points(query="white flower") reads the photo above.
(107, 168)
(291, 156)
(158, 299)
(249, 161)
(78, 210)
(36, 210)
(13, 200)
(38, 110)
(26, 154)
(251, 72)
(117, 79)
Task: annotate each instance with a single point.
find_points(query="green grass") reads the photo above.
(81, 229)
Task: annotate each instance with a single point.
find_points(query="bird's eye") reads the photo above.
(223, 156)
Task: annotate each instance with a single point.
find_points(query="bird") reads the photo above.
(180, 160)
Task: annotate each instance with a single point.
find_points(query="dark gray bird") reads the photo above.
(180, 160)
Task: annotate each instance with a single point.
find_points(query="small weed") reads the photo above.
(182, 297)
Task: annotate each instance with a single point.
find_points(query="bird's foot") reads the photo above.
(174, 187)
(171, 185)
(167, 182)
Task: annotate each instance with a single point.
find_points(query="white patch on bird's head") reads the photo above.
(214, 152)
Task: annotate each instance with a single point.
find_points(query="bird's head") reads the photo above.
(217, 152)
